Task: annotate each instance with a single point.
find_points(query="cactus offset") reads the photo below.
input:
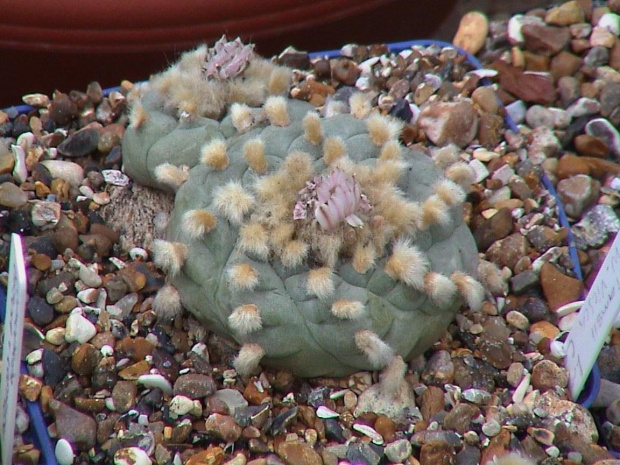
(320, 245)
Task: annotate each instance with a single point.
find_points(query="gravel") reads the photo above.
(119, 386)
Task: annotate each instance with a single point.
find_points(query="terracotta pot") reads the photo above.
(67, 43)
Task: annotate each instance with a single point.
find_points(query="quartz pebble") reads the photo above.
(65, 170)
(78, 328)
(131, 456)
(64, 452)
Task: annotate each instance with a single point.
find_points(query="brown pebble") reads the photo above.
(490, 130)
(253, 395)
(223, 427)
(124, 395)
(85, 359)
(133, 279)
(543, 39)
(296, 452)
(588, 145)
(578, 193)
(212, 456)
(565, 14)
(385, 427)
(544, 329)
(472, 32)
(41, 261)
(345, 71)
(508, 251)
(564, 64)
(194, 386)
(548, 375)
(78, 428)
(437, 453)
(132, 372)
(7, 163)
(136, 348)
(94, 405)
(431, 402)
(102, 244)
(530, 87)
(62, 109)
(449, 122)
(486, 99)
(558, 288)
(30, 387)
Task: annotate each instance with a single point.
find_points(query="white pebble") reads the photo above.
(325, 412)
(45, 215)
(88, 295)
(500, 195)
(514, 30)
(86, 191)
(107, 350)
(485, 155)
(131, 456)
(20, 172)
(561, 118)
(34, 356)
(516, 110)
(22, 421)
(64, 452)
(611, 22)
(480, 170)
(370, 432)
(27, 139)
(89, 276)
(180, 405)
(491, 428)
(56, 336)
(115, 177)
(521, 389)
(476, 396)
(78, 328)
(101, 198)
(66, 170)
(566, 322)
(517, 319)
(138, 253)
(557, 349)
(156, 381)
(569, 308)
(552, 451)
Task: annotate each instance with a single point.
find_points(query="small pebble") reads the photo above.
(64, 452)
(78, 328)
(131, 456)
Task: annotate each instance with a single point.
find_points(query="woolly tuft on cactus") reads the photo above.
(320, 244)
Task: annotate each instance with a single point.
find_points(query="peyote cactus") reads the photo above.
(320, 244)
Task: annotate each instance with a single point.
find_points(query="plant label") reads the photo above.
(595, 320)
(13, 332)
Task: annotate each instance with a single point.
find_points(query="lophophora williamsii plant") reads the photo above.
(320, 244)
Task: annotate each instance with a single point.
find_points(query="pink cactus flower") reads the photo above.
(227, 59)
(332, 199)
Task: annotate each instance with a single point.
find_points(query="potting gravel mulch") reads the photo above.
(120, 386)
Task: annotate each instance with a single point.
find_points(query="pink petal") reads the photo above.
(323, 216)
(354, 220)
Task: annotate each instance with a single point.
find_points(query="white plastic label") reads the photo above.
(13, 333)
(595, 320)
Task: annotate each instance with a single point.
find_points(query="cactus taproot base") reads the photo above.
(320, 244)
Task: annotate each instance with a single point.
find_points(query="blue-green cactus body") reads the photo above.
(291, 323)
